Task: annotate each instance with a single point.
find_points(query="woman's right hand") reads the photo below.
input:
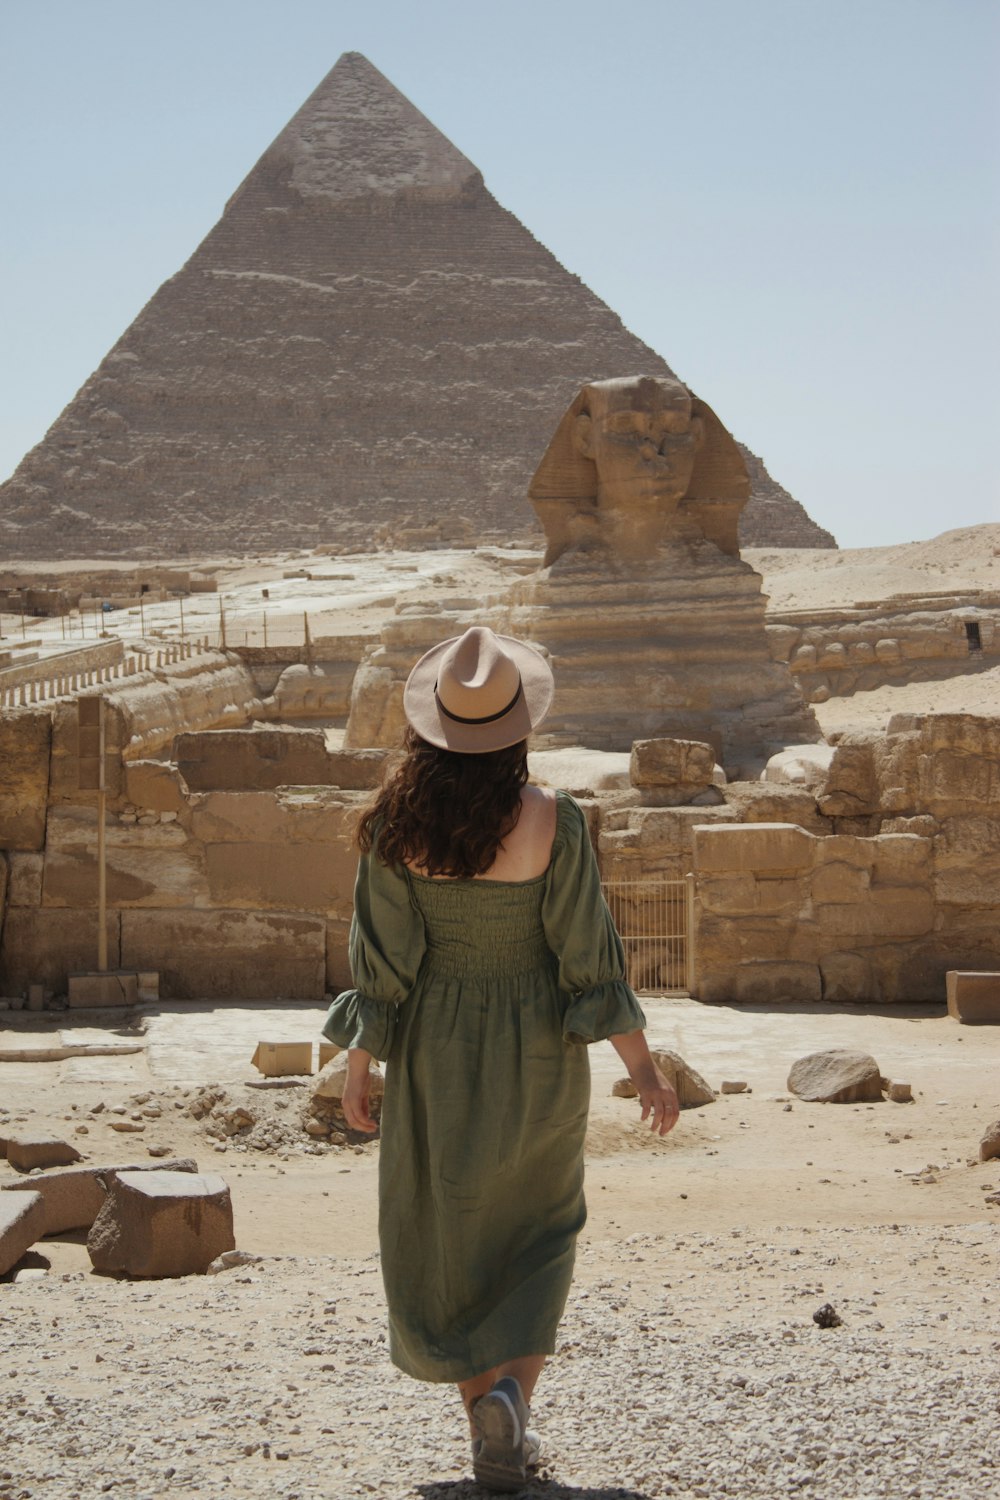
(354, 1100)
(659, 1099)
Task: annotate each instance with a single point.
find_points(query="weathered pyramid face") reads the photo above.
(365, 345)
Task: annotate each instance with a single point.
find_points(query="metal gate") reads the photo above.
(654, 919)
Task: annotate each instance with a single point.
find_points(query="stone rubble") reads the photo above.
(838, 1075)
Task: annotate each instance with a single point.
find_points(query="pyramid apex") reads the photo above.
(357, 136)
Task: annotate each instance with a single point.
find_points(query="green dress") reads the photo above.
(480, 995)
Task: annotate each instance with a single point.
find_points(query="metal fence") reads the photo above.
(654, 919)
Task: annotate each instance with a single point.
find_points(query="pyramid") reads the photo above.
(365, 345)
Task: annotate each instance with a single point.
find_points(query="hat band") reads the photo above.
(486, 719)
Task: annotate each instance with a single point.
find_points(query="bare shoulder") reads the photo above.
(538, 809)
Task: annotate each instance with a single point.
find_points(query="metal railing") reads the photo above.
(655, 921)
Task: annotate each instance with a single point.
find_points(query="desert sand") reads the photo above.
(689, 1363)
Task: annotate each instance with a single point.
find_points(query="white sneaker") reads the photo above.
(505, 1447)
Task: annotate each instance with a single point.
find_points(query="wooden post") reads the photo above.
(180, 602)
(222, 626)
(265, 628)
(142, 616)
(307, 641)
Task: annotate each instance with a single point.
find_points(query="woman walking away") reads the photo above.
(484, 958)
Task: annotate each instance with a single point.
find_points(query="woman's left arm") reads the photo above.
(657, 1097)
(354, 1101)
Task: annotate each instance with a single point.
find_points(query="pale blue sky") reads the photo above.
(795, 201)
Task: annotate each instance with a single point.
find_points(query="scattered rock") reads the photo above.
(39, 1148)
(733, 1086)
(127, 1126)
(692, 1089)
(838, 1075)
(899, 1092)
(827, 1316)
(989, 1146)
(624, 1088)
(160, 1223)
(231, 1258)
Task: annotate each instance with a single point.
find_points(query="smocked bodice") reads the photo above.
(482, 928)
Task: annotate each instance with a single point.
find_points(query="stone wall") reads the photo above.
(839, 652)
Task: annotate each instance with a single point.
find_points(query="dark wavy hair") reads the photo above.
(445, 812)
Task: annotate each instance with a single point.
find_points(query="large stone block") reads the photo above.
(25, 747)
(25, 886)
(98, 990)
(252, 759)
(838, 883)
(228, 954)
(799, 765)
(27, 1149)
(848, 977)
(764, 982)
(973, 998)
(753, 847)
(162, 1224)
(152, 784)
(850, 788)
(314, 815)
(156, 866)
(284, 877)
(74, 1197)
(838, 1075)
(686, 766)
(42, 946)
(22, 1222)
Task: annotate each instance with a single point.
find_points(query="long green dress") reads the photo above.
(480, 995)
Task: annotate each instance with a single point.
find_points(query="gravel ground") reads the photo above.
(689, 1366)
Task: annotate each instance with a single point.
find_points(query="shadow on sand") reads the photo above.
(536, 1489)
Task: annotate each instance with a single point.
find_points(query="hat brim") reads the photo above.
(425, 715)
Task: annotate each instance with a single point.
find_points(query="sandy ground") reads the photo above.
(689, 1362)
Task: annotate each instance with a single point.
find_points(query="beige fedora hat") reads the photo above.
(478, 692)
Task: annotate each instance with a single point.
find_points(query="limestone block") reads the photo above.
(679, 764)
(97, 990)
(973, 998)
(579, 771)
(162, 1224)
(254, 759)
(832, 655)
(152, 866)
(774, 802)
(957, 782)
(283, 816)
(862, 653)
(799, 765)
(887, 650)
(282, 1059)
(282, 877)
(898, 1091)
(754, 847)
(989, 1146)
(887, 912)
(228, 954)
(967, 862)
(44, 946)
(782, 640)
(25, 747)
(692, 1090)
(975, 735)
(39, 1148)
(901, 859)
(376, 716)
(850, 788)
(22, 1222)
(763, 981)
(837, 883)
(838, 1075)
(25, 886)
(848, 977)
(150, 783)
(73, 1197)
(803, 659)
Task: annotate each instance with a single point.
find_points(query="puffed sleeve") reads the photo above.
(579, 930)
(386, 948)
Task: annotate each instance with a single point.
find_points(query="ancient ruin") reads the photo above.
(367, 344)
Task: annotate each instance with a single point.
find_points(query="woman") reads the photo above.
(484, 957)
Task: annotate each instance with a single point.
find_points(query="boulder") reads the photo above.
(22, 1222)
(685, 767)
(39, 1148)
(734, 1086)
(799, 765)
(692, 1089)
(989, 1146)
(162, 1224)
(624, 1088)
(838, 1075)
(73, 1198)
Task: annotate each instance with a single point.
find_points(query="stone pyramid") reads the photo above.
(366, 345)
